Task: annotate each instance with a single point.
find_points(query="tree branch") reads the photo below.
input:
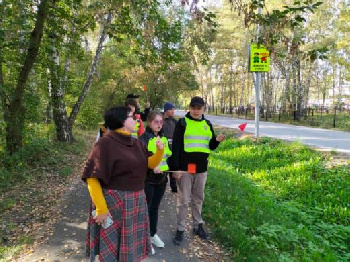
(92, 72)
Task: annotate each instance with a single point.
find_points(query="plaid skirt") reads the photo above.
(128, 238)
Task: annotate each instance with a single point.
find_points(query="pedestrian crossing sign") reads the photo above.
(259, 59)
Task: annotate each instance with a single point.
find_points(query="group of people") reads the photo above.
(127, 174)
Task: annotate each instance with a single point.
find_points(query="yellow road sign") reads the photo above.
(259, 60)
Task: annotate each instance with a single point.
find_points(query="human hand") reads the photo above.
(157, 170)
(177, 175)
(102, 218)
(159, 144)
(220, 137)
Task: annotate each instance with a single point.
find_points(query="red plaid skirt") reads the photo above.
(127, 239)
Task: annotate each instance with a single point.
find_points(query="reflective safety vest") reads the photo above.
(163, 166)
(137, 127)
(197, 136)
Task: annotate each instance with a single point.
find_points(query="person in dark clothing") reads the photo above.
(145, 112)
(156, 179)
(168, 131)
(193, 140)
(169, 122)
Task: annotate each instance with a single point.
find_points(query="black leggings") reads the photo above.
(154, 194)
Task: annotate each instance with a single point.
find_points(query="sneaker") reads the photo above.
(157, 241)
(179, 237)
(152, 250)
(201, 232)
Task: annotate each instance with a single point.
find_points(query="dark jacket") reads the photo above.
(144, 114)
(168, 129)
(151, 177)
(180, 159)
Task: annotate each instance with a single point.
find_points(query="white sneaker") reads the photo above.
(152, 250)
(157, 241)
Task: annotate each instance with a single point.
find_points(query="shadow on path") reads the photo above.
(68, 240)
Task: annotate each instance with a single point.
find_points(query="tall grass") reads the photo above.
(273, 201)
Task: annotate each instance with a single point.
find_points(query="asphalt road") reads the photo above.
(321, 138)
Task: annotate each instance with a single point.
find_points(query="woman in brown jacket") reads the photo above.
(115, 173)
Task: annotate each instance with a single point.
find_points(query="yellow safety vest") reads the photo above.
(197, 136)
(163, 166)
(137, 127)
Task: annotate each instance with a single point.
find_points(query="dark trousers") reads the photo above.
(172, 182)
(154, 195)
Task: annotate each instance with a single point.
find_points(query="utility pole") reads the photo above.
(257, 88)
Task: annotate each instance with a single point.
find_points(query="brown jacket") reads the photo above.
(119, 162)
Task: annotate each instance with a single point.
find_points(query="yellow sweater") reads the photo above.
(95, 188)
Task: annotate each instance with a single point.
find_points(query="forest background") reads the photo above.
(64, 62)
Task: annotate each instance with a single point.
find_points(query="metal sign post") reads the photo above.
(258, 62)
(257, 103)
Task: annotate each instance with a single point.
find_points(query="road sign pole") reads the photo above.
(257, 89)
(257, 103)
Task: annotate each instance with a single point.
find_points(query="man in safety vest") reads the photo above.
(193, 140)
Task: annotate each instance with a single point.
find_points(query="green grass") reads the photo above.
(275, 201)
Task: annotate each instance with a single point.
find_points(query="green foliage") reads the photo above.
(289, 16)
(35, 157)
(272, 201)
(147, 36)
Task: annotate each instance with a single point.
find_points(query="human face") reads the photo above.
(129, 124)
(132, 109)
(197, 111)
(170, 113)
(156, 124)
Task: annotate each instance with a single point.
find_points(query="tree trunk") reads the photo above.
(334, 83)
(2, 84)
(60, 117)
(286, 94)
(231, 87)
(243, 84)
(299, 91)
(15, 115)
(270, 98)
(87, 84)
(307, 85)
(294, 84)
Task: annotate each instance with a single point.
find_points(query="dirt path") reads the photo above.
(68, 238)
